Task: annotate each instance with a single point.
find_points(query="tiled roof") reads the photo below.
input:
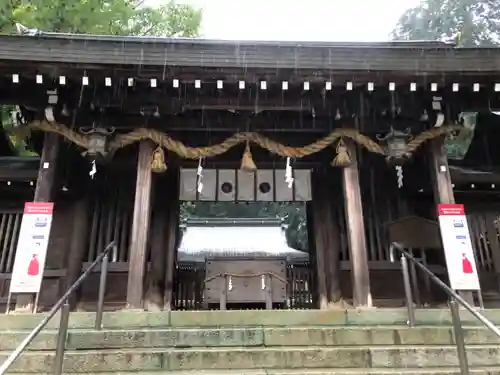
(412, 57)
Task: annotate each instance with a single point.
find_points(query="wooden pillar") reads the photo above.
(78, 246)
(140, 227)
(159, 220)
(326, 240)
(317, 185)
(311, 244)
(356, 231)
(43, 193)
(333, 250)
(442, 185)
(172, 236)
(491, 232)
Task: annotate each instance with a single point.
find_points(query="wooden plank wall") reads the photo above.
(110, 219)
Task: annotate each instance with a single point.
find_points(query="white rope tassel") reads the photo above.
(399, 174)
(199, 186)
(93, 170)
(288, 173)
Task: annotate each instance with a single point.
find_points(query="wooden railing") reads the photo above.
(10, 225)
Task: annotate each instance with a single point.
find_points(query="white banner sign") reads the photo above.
(458, 249)
(32, 248)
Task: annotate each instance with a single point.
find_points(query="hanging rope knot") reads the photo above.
(247, 163)
(158, 164)
(342, 159)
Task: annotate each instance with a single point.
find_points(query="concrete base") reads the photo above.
(256, 342)
(246, 318)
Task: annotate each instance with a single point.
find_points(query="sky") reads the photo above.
(300, 20)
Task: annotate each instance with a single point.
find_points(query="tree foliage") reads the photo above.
(132, 17)
(465, 22)
(111, 17)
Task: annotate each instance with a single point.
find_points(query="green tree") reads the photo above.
(465, 22)
(114, 17)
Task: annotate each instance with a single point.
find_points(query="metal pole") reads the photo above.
(448, 290)
(408, 295)
(37, 300)
(61, 339)
(102, 292)
(459, 337)
(9, 300)
(480, 299)
(16, 353)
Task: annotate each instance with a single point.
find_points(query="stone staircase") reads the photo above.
(256, 343)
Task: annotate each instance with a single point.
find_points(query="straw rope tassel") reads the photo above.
(247, 163)
(342, 159)
(158, 164)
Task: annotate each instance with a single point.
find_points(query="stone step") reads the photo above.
(428, 371)
(250, 337)
(141, 319)
(394, 357)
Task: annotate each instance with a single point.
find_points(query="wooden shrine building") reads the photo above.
(368, 136)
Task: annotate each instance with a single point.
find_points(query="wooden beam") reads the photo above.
(140, 227)
(356, 231)
(43, 193)
(281, 123)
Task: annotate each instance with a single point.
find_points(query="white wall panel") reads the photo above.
(246, 186)
(302, 185)
(187, 185)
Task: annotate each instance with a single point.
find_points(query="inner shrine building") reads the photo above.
(121, 133)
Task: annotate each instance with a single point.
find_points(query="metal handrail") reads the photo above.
(63, 304)
(454, 298)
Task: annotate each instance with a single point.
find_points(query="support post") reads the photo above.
(78, 247)
(333, 251)
(491, 232)
(172, 237)
(140, 227)
(442, 186)
(326, 230)
(355, 228)
(156, 275)
(43, 193)
(319, 238)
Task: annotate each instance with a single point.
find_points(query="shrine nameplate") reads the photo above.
(247, 279)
